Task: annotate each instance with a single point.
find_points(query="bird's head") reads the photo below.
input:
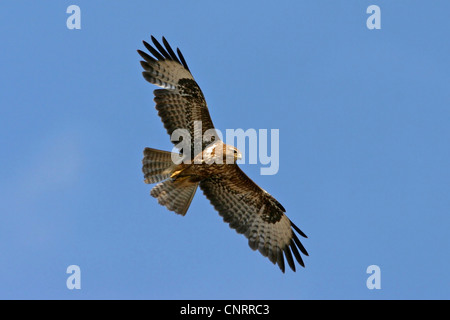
(231, 154)
(221, 153)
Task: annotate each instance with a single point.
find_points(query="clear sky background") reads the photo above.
(364, 120)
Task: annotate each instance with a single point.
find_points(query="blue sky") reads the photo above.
(364, 148)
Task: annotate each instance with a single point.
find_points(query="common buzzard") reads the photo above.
(248, 209)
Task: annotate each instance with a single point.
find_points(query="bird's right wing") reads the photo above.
(181, 104)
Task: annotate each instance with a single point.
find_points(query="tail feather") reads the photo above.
(174, 196)
(157, 165)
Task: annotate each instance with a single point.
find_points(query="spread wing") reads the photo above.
(253, 212)
(181, 104)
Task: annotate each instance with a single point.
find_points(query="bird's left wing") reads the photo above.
(181, 103)
(253, 212)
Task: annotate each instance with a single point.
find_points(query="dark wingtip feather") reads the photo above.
(153, 51)
(299, 244)
(287, 253)
(300, 232)
(153, 39)
(163, 52)
(145, 65)
(145, 56)
(161, 49)
(170, 51)
(280, 261)
(182, 60)
(296, 254)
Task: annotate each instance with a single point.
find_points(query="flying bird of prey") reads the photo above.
(248, 209)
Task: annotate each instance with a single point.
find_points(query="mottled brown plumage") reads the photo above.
(248, 209)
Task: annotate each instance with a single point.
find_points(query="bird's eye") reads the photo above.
(235, 151)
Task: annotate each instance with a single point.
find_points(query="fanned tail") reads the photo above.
(175, 194)
(157, 165)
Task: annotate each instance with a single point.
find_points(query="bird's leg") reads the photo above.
(183, 175)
